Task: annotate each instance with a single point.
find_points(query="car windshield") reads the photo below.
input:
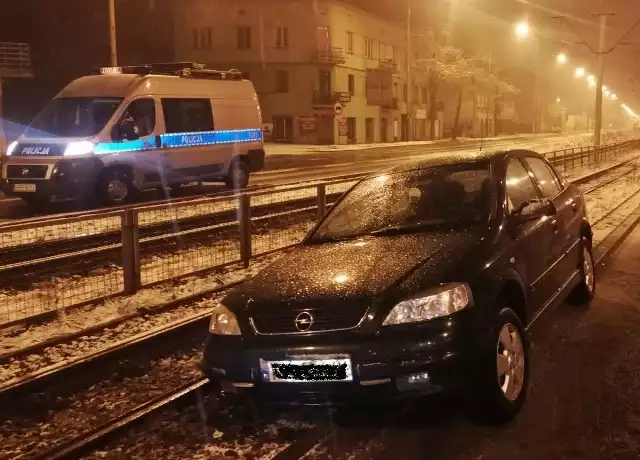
(73, 117)
(406, 202)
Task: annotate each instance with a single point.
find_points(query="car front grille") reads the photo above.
(324, 319)
(26, 171)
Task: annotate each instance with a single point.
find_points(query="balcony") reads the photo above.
(15, 60)
(329, 56)
(388, 64)
(324, 98)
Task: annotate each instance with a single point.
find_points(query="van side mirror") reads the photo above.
(532, 210)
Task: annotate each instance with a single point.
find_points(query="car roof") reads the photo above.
(454, 158)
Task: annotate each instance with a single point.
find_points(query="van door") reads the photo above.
(134, 137)
(189, 138)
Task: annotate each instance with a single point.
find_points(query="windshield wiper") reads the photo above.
(408, 228)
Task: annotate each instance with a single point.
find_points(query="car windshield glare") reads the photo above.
(449, 196)
(73, 117)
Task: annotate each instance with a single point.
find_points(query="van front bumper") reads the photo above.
(62, 179)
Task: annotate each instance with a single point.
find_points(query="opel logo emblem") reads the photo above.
(303, 321)
(25, 171)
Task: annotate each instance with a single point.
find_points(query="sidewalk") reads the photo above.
(300, 149)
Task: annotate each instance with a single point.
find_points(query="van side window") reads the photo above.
(138, 120)
(187, 115)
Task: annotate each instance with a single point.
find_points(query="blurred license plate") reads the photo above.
(24, 187)
(317, 369)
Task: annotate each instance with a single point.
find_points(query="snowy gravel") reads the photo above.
(55, 355)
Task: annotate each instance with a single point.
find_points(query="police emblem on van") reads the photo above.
(35, 151)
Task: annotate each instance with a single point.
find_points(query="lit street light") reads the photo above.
(580, 72)
(592, 81)
(561, 58)
(558, 100)
(614, 97)
(522, 30)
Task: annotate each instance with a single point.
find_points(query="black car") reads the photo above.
(418, 280)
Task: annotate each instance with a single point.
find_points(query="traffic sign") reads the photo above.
(337, 108)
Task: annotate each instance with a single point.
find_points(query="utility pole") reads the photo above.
(409, 83)
(600, 78)
(113, 54)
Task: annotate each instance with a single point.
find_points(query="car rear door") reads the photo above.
(531, 240)
(567, 221)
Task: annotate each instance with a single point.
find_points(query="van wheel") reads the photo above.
(116, 186)
(238, 177)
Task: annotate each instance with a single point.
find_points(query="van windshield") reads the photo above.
(73, 117)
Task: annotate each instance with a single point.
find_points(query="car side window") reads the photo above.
(520, 187)
(547, 180)
(187, 115)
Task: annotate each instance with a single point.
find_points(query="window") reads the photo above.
(202, 38)
(282, 81)
(520, 187)
(138, 120)
(381, 51)
(369, 128)
(547, 180)
(282, 37)
(368, 48)
(350, 42)
(244, 38)
(395, 91)
(324, 82)
(187, 115)
(423, 97)
(351, 130)
(352, 84)
(405, 92)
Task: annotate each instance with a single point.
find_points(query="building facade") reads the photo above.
(325, 72)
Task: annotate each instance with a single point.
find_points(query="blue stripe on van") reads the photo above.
(178, 140)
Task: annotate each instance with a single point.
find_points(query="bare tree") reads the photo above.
(439, 62)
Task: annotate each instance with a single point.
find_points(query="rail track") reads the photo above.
(184, 334)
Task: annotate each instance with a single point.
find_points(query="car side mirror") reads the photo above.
(533, 210)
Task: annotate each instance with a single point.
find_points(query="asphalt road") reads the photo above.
(291, 168)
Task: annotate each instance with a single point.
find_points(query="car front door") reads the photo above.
(531, 240)
(565, 247)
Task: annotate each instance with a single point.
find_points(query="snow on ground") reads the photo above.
(296, 149)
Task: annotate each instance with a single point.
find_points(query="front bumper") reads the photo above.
(382, 370)
(60, 179)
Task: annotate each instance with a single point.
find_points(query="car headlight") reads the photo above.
(79, 148)
(11, 148)
(444, 301)
(223, 322)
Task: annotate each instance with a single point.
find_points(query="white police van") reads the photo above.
(135, 128)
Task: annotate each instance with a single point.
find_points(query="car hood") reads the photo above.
(355, 268)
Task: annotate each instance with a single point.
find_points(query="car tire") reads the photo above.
(584, 292)
(500, 386)
(115, 187)
(238, 176)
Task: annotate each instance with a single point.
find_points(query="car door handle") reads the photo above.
(554, 226)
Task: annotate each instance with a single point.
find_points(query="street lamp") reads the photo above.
(561, 58)
(592, 81)
(614, 97)
(580, 72)
(558, 100)
(522, 30)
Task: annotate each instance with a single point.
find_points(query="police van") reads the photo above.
(134, 128)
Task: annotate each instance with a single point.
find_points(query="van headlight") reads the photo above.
(79, 148)
(443, 301)
(223, 322)
(11, 148)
